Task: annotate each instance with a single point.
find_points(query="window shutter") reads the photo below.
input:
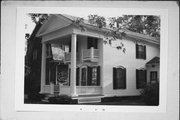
(77, 76)
(114, 78)
(137, 79)
(53, 74)
(69, 76)
(47, 71)
(89, 80)
(77, 46)
(70, 46)
(98, 75)
(144, 52)
(124, 78)
(145, 80)
(137, 53)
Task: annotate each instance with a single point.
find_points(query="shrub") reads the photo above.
(35, 97)
(61, 99)
(150, 93)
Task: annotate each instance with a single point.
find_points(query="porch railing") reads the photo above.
(90, 54)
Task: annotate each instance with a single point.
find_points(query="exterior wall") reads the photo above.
(113, 57)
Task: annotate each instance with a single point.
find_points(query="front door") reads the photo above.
(89, 79)
(153, 76)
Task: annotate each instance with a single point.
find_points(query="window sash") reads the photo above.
(140, 51)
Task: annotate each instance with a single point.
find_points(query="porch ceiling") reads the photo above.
(63, 40)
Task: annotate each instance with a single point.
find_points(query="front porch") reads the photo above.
(71, 61)
(71, 66)
(80, 90)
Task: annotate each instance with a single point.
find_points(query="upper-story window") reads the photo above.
(92, 42)
(140, 78)
(140, 51)
(48, 50)
(119, 78)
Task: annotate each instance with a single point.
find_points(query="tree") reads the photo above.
(144, 24)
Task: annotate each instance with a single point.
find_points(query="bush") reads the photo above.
(35, 97)
(150, 93)
(61, 99)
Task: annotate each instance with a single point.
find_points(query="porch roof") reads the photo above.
(154, 60)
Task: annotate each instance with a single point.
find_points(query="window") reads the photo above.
(62, 74)
(77, 76)
(93, 76)
(153, 76)
(140, 78)
(48, 50)
(83, 76)
(140, 51)
(119, 78)
(48, 71)
(92, 42)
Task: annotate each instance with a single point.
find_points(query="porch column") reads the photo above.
(43, 66)
(73, 64)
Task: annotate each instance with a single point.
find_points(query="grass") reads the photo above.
(133, 101)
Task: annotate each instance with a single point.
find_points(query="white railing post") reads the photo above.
(51, 88)
(92, 53)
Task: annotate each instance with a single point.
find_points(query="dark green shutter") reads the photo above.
(69, 76)
(77, 76)
(114, 78)
(98, 75)
(89, 78)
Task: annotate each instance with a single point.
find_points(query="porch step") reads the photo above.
(89, 99)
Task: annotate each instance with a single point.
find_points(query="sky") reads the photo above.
(79, 12)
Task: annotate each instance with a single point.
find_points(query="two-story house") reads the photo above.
(78, 63)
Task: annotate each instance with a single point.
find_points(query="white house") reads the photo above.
(88, 67)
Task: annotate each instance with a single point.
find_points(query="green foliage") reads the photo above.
(38, 18)
(61, 99)
(144, 24)
(99, 21)
(148, 25)
(150, 93)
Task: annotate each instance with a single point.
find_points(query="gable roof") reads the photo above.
(154, 60)
(69, 19)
